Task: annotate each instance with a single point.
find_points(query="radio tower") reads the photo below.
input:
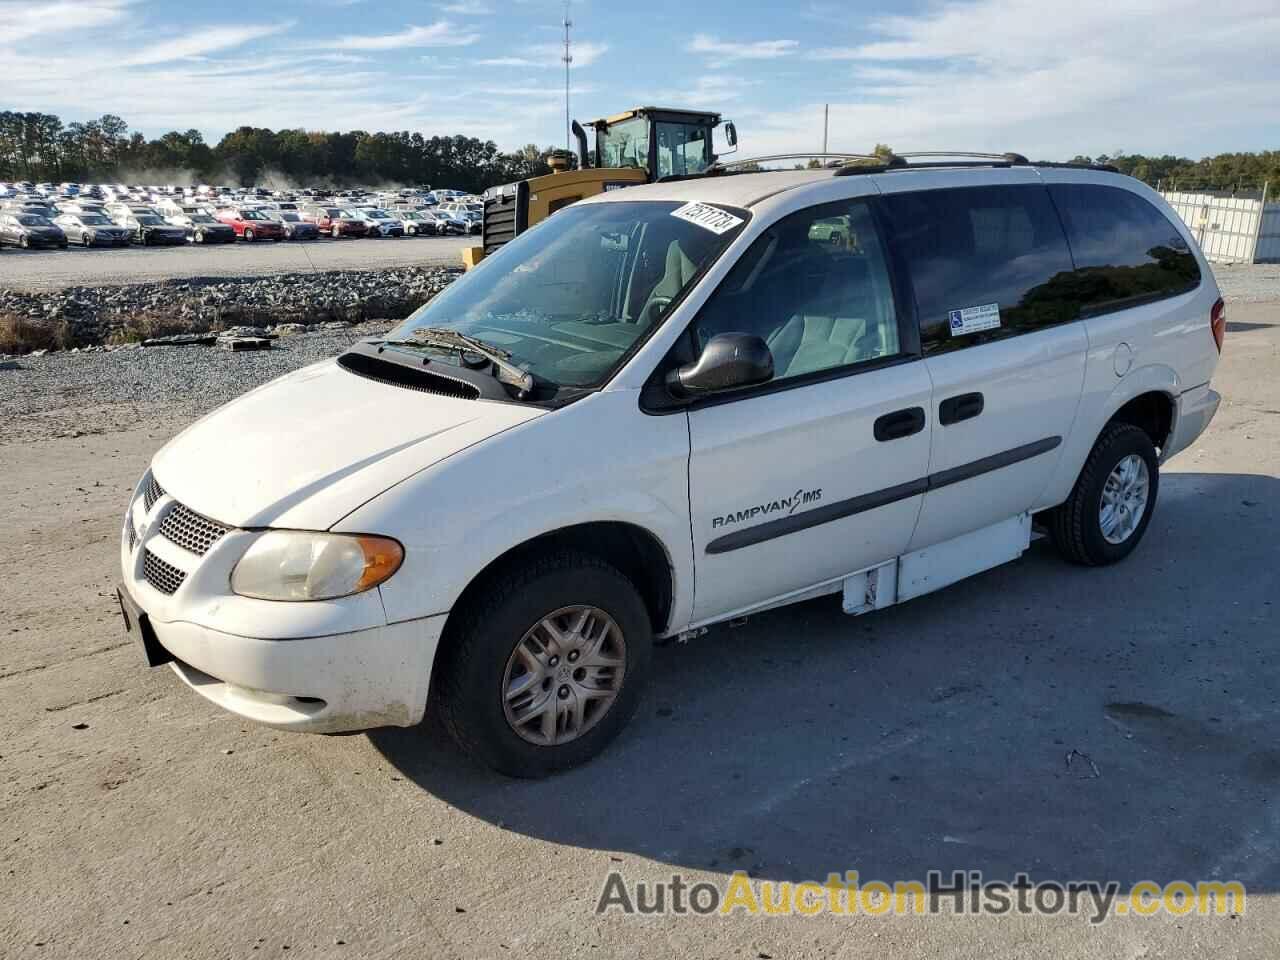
(568, 60)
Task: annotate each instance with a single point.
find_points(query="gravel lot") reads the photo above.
(76, 394)
(1249, 283)
(51, 269)
(139, 821)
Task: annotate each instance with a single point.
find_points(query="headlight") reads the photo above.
(296, 565)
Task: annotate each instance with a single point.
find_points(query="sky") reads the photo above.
(1046, 78)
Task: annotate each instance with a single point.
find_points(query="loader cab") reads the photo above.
(662, 142)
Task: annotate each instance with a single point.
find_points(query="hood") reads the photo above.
(305, 450)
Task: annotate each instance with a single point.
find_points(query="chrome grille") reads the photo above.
(190, 530)
(152, 493)
(165, 577)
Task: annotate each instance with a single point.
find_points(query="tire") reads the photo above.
(86, 240)
(248, 235)
(24, 243)
(337, 232)
(198, 236)
(478, 657)
(1076, 527)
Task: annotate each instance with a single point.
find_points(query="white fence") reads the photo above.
(1231, 229)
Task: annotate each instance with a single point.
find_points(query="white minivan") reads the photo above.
(670, 406)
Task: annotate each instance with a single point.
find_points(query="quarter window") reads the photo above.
(815, 287)
(985, 262)
(1126, 251)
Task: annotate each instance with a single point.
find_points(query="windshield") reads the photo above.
(201, 218)
(148, 219)
(251, 215)
(376, 215)
(570, 297)
(31, 220)
(625, 144)
(93, 219)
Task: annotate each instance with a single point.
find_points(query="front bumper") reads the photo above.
(318, 667)
(331, 684)
(1196, 408)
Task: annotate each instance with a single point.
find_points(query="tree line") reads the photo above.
(39, 147)
(1224, 172)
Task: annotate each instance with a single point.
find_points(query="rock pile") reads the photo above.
(88, 316)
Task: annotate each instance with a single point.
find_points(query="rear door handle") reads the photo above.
(899, 424)
(966, 406)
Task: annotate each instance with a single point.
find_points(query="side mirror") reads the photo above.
(731, 134)
(729, 361)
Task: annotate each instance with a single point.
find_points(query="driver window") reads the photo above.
(815, 287)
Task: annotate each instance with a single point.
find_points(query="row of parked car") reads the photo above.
(150, 216)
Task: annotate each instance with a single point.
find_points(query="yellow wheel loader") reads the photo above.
(639, 146)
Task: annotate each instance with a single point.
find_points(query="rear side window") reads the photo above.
(1126, 251)
(985, 262)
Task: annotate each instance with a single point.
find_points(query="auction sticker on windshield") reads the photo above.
(706, 216)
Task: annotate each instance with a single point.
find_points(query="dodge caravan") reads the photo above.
(666, 407)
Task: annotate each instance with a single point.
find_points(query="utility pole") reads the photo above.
(568, 61)
(826, 114)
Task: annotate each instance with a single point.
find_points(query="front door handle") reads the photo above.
(899, 424)
(966, 406)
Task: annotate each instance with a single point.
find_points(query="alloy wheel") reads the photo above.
(1124, 499)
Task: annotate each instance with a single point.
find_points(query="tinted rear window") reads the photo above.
(1126, 251)
(973, 247)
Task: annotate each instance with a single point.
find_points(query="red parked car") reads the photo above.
(336, 221)
(250, 224)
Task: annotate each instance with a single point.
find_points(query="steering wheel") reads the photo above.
(654, 309)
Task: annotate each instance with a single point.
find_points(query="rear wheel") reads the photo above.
(24, 242)
(86, 240)
(248, 235)
(1112, 500)
(544, 668)
(198, 237)
(337, 232)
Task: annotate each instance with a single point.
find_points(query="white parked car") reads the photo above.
(663, 408)
(379, 221)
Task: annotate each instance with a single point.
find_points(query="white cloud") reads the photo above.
(468, 8)
(725, 51)
(510, 62)
(710, 92)
(548, 55)
(21, 21)
(996, 75)
(442, 33)
(203, 41)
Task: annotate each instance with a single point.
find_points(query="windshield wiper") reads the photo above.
(519, 378)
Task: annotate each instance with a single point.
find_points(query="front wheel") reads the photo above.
(542, 669)
(248, 235)
(1112, 500)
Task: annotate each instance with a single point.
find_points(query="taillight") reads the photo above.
(1218, 322)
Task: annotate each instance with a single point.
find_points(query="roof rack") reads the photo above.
(840, 158)
(851, 164)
